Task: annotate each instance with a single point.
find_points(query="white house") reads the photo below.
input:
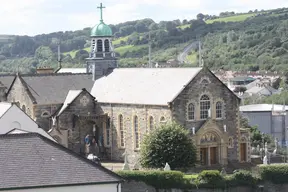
(13, 120)
(31, 162)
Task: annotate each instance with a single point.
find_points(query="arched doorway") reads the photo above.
(209, 149)
(243, 149)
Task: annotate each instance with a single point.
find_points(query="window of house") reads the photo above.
(136, 132)
(205, 111)
(219, 110)
(99, 45)
(107, 134)
(230, 142)
(121, 130)
(151, 123)
(106, 45)
(191, 111)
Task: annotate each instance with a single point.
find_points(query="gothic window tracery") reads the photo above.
(208, 138)
(45, 114)
(204, 107)
(219, 110)
(205, 82)
(162, 119)
(191, 111)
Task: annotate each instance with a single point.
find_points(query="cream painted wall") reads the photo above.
(96, 188)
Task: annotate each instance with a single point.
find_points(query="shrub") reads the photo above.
(157, 179)
(277, 173)
(169, 143)
(211, 178)
(241, 178)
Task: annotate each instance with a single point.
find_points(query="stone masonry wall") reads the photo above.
(42, 115)
(18, 93)
(217, 91)
(128, 113)
(132, 186)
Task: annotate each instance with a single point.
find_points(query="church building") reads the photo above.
(114, 108)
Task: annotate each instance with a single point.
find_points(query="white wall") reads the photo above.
(83, 188)
(16, 118)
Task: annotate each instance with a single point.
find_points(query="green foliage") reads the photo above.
(242, 178)
(275, 173)
(211, 177)
(169, 143)
(157, 179)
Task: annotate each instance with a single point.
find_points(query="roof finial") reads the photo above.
(101, 11)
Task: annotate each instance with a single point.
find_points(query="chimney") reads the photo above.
(44, 70)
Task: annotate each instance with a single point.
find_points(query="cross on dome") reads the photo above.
(101, 11)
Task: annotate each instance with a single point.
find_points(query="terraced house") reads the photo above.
(118, 106)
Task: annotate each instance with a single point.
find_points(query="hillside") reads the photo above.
(247, 41)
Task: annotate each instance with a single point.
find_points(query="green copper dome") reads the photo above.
(101, 30)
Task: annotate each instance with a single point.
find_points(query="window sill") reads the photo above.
(136, 150)
(219, 119)
(122, 147)
(191, 120)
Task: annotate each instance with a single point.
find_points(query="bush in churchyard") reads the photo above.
(169, 143)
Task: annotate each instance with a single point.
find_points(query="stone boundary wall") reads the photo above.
(133, 186)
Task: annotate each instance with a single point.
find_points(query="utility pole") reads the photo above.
(150, 64)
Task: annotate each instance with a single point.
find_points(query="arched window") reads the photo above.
(93, 45)
(162, 119)
(205, 110)
(191, 111)
(45, 114)
(151, 123)
(205, 82)
(106, 45)
(121, 130)
(230, 142)
(136, 132)
(24, 108)
(219, 110)
(99, 46)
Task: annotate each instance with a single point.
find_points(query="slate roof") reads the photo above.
(53, 88)
(7, 80)
(152, 86)
(262, 108)
(72, 94)
(31, 160)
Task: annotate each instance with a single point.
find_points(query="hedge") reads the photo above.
(175, 179)
(275, 173)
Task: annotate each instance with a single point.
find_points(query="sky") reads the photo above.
(32, 17)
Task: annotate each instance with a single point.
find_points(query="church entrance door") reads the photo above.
(243, 152)
(203, 156)
(213, 155)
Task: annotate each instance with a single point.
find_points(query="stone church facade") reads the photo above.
(112, 109)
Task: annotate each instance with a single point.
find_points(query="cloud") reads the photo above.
(43, 16)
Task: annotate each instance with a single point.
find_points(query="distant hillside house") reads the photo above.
(239, 81)
(33, 163)
(270, 119)
(114, 108)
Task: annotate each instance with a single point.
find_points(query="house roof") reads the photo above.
(262, 108)
(241, 78)
(72, 70)
(265, 90)
(31, 160)
(151, 86)
(4, 107)
(7, 80)
(53, 88)
(72, 94)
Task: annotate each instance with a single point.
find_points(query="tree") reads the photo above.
(200, 16)
(169, 143)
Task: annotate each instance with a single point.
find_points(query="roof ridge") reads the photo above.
(53, 74)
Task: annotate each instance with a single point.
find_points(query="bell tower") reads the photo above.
(102, 58)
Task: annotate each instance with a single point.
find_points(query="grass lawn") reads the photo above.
(123, 49)
(118, 41)
(192, 58)
(235, 18)
(184, 26)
